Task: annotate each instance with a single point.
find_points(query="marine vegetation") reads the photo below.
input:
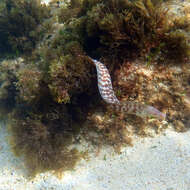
(128, 28)
(21, 24)
(44, 142)
(51, 87)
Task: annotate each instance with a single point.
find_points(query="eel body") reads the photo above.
(105, 84)
(107, 93)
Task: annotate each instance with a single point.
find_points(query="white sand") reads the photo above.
(159, 163)
(46, 1)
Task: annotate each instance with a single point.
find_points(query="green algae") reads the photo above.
(21, 24)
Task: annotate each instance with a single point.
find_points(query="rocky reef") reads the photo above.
(49, 85)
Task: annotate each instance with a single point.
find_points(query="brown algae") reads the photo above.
(51, 92)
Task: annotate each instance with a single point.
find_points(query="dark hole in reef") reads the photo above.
(3, 47)
(188, 80)
(81, 104)
(91, 44)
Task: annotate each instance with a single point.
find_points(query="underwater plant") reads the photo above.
(44, 145)
(54, 91)
(28, 84)
(116, 25)
(21, 24)
(117, 28)
(8, 91)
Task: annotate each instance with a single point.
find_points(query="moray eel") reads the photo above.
(107, 93)
(105, 84)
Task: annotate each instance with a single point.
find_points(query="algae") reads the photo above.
(52, 92)
(44, 144)
(21, 24)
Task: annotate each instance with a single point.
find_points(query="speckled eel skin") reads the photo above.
(108, 95)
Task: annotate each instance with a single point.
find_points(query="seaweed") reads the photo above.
(117, 25)
(21, 24)
(177, 46)
(29, 83)
(128, 28)
(8, 69)
(54, 89)
(44, 144)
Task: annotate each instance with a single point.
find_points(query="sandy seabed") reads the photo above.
(159, 163)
